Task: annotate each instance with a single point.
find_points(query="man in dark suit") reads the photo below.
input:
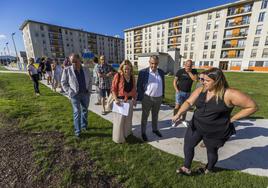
(151, 89)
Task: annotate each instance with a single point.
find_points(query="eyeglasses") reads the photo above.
(201, 79)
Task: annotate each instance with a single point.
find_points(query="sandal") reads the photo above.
(183, 172)
(203, 170)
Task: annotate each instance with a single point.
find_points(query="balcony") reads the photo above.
(234, 24)
(241, 10)
(232, 46)
(138, 38)
(139, 32)
(232, 54)
(137, 51)
(241, 34)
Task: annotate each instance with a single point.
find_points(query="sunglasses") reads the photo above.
(201, 79)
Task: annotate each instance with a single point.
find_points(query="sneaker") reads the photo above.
(37, 94)
(175, 124)
(185, 123)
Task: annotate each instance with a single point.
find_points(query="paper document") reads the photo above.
(123, 109)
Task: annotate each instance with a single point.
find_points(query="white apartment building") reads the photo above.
(232, 36)
(43, 39)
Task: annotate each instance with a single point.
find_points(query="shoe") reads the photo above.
(103, 113)
(175, 124)
(185, 123)
(37, 94)
(144, 137)
(84, 129)
(204, 171)
(182, 171)
(157, 133)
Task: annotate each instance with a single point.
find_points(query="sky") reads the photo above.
(109, 17)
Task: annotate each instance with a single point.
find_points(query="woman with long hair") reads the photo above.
(212, 120)
(124, 91)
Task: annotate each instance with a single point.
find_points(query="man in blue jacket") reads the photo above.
(151, 90)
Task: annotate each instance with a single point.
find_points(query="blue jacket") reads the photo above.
(143, 81)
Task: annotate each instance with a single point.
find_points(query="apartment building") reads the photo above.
(43, 39)
(232, 36)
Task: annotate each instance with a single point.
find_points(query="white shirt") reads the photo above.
(154, 87)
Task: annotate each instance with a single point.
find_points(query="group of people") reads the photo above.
(213, 101)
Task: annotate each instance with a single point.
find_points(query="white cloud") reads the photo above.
(2, 36)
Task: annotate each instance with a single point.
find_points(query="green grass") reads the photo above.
(2, 68)
(254, 84)
(135, 164)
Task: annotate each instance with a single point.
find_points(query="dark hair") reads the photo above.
(95, 60)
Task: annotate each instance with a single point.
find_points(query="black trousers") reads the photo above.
(35, 79)
(192, 138)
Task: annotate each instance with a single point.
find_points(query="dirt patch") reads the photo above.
(42, 160)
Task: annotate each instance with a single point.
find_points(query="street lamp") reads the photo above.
(17, 57)
(7, 49)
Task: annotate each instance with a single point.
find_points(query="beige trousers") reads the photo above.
(122, 125)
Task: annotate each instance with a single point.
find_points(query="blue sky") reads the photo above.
(100, 16)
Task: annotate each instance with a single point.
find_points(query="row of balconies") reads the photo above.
(233, 24)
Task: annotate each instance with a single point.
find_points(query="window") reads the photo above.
(265, 63)
(205, 45)
(188, 21)
(218, 14)
(253, 53)
(266, 41)
(258, 29)
(215, 33)
(213, 46)
(187, 29)
(158, 34)
(264, 4)
(212, 54)
(208, 26)
(191, 55)
(256, 41)
(41, 28)
(259, 64)
(207, 36)
(163, 33)
(186, 38)
(194, 19)
(36, 34)
(217, 23)
(261, 16)
(251, 64)
(192, 46)
(193, 38)
(185, 55)
(205, 54)
(162, 41)
(185, 47)
(193, 28)
(265, 53)
(209, 16)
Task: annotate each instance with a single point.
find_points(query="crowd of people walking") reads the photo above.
(213, 100)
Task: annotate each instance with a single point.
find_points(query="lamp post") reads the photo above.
(17, 57)
(8, 52)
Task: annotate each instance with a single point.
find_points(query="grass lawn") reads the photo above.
(2, 68)
(134, 164)
(254, 84)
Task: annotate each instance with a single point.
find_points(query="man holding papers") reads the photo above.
(124, 94)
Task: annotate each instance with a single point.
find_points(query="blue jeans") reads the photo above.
(181, 97)
(80, 104)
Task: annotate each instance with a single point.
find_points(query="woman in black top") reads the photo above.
(212, 119)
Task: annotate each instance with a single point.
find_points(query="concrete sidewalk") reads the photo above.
(247, 151)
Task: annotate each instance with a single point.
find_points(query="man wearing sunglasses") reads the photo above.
(182, 84)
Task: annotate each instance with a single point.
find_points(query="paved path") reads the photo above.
(247, 151)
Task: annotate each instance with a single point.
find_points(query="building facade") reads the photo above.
(233, 36)
(43, 39)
